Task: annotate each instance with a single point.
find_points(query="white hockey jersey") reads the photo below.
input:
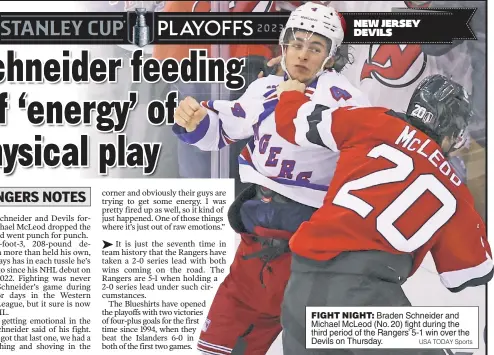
(388, 73)
(300, 173)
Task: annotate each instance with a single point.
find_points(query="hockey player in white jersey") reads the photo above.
(288, 182)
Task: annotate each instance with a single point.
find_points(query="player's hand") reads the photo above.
(272, 63)
(189, 114)
(290, 85)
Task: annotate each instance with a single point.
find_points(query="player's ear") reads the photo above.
(330, 63)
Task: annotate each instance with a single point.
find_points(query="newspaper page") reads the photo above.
(176, 178)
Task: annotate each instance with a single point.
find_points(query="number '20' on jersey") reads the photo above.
(393, 190)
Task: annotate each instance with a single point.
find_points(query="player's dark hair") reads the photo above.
(287, 37)
(342, 58)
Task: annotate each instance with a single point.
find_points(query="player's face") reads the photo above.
(305, 55)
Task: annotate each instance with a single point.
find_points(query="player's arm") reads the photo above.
(306, 123)
(462, 254)
(345, 94)
(214, 124)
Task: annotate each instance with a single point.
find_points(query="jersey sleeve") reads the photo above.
(225, 123)
(359, 99)
(462, 254)
(345, 94)
(307, 123)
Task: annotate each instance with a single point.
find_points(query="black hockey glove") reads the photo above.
(253, 65)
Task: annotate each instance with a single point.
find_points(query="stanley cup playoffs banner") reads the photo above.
(139, 27)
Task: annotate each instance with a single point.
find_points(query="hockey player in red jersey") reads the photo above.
(393, 198)
(288, 182)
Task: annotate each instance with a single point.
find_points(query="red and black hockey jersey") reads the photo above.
(393, 190)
